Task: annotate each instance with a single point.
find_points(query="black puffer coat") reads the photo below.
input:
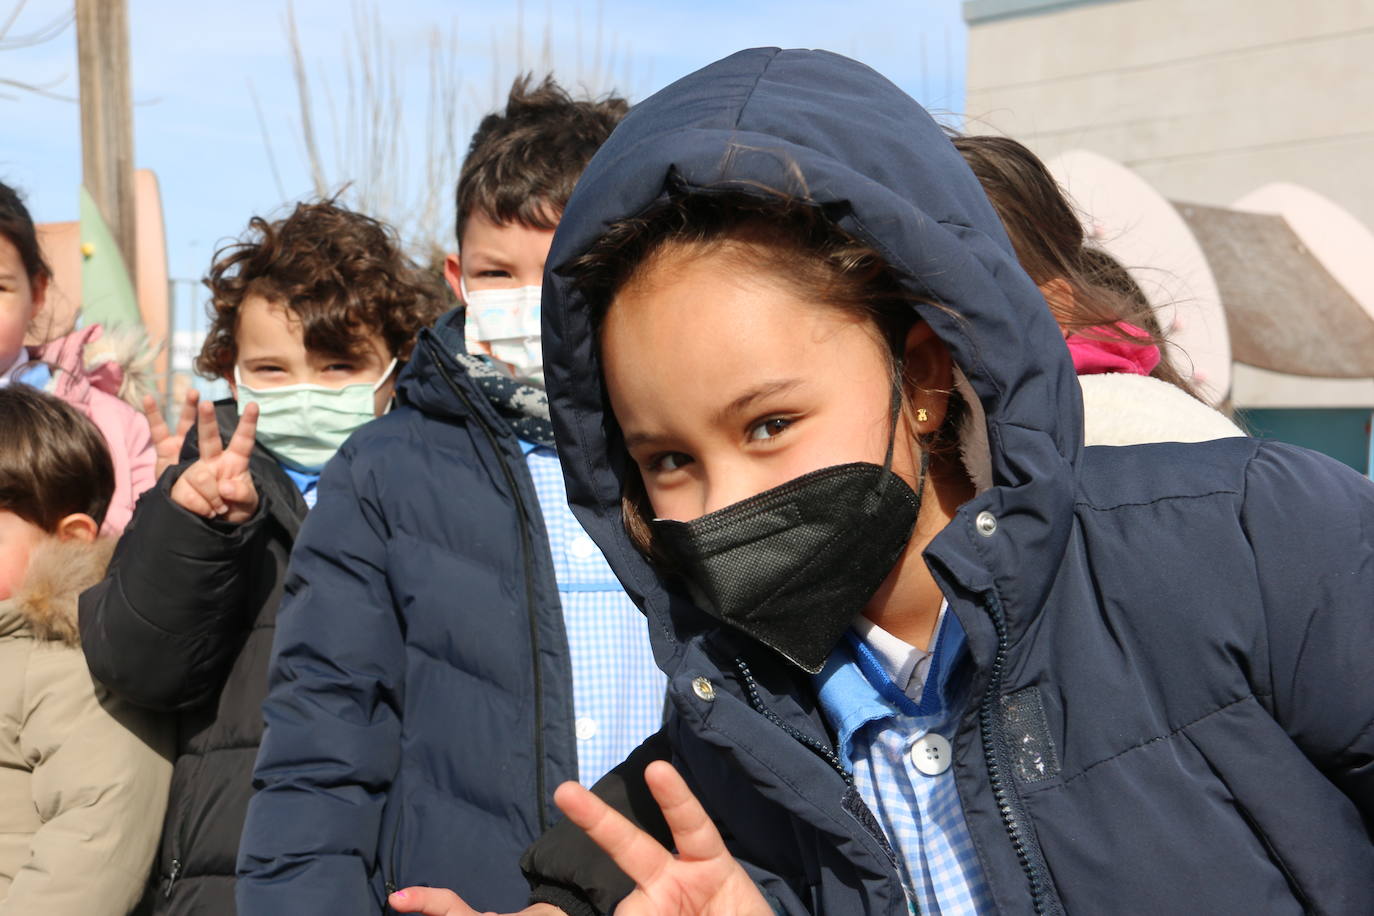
(183, 623)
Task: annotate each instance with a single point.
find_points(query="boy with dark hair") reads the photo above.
(83, 775)
(451, 646)
(309, 318)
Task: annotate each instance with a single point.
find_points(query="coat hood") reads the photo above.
(45, 603)
(828, 128)
(421, 382)
(118, 362)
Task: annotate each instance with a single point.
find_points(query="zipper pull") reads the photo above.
(391, 887)
(172, 877)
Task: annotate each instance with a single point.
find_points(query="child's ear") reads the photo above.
(1059, 296)
(453, 273)
(928, 373)
(77, 527)
(40, 293)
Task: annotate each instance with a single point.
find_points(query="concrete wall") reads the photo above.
(1206, 99)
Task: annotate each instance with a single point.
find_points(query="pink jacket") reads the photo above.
(94, 391)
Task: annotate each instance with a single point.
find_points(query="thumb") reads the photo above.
(430, 901)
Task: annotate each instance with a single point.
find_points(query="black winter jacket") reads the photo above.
(1171, 705)
(183, 623)
(421, 710)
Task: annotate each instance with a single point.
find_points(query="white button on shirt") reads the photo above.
(586, 728)
(582, 547)
(930, 754)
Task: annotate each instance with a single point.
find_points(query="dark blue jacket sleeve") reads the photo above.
(332, 742)
(163, 627)
(1310, 521)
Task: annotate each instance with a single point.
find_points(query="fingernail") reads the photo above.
(399, 895)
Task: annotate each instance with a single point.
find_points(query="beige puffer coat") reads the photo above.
(83, 776)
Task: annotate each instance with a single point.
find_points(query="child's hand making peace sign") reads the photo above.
(701, 880)
(219, 484)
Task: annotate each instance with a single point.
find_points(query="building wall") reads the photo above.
(1342, 434)
(1206, 99)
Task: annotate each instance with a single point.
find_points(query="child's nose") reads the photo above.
(729, 485)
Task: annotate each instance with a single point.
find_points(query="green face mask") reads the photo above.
(304, 425)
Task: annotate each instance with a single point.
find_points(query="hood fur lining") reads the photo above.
(59, 571)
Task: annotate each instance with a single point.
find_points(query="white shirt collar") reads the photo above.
(907, 665)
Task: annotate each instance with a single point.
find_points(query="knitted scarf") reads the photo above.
(524, 407)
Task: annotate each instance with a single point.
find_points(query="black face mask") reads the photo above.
(793, 566)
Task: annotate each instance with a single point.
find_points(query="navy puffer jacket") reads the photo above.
(1172, 709)
(420, 709)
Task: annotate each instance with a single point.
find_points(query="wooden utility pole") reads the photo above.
(107, 116)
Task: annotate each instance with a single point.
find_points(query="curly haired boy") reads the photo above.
(310, 316)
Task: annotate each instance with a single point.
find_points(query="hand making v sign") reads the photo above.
(219, 484)
(702, 879)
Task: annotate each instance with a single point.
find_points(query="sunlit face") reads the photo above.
(19, 302)
(499, 257)
(726, 383)
(272, 353)
(18, 538)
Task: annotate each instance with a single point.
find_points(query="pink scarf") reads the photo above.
(1092, 356)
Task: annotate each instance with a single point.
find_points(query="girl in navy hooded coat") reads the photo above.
(1018, 674)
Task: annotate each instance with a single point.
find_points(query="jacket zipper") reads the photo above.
(525, 542)
(392, 875)
(1003, 790)
(830, 757)
(819, 749)
(172, 877)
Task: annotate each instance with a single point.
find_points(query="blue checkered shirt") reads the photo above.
(617, 689)
(879, 726)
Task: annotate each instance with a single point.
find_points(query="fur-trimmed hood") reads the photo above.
(45, 604)
(1124, 409)
(116, 361)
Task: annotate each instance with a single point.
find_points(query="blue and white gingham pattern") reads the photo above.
(617, 689)
(921, 815)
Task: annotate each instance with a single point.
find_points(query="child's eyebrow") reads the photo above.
(753, 395)
(484, 257)
(635, 440)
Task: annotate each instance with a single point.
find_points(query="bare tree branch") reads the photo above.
(266, 140)
(44, 33)
(383, 159)
(48, 32)
(312, 152)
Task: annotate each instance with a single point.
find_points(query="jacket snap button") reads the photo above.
(703, 688)
(986, 523)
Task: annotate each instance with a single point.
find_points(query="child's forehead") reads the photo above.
(483, 235)
(269, 327)
(265, 322)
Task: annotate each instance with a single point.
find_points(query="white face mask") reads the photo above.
(507, 321)
(305, 424)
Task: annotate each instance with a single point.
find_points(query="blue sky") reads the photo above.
(196, 125)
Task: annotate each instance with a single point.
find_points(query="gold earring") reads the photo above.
(921, 415)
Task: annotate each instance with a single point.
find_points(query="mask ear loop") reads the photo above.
(896, 413)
